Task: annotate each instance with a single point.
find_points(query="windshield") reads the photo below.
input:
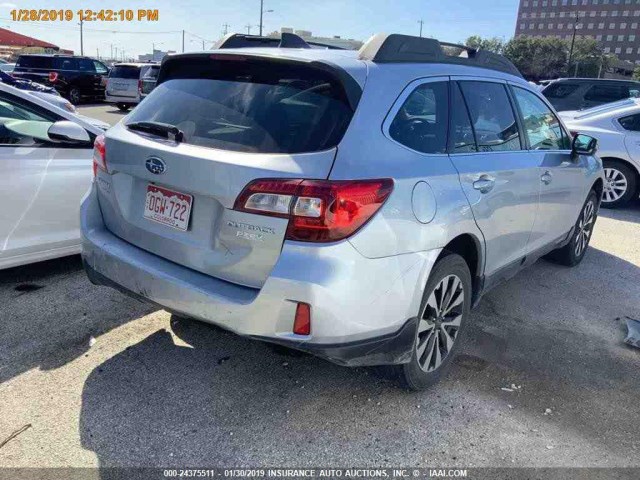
(250, 106)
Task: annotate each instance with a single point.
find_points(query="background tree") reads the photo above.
(636, 73)
(494, 44)
(538, 58)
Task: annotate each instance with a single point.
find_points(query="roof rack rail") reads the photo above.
(396, 48)
(287, 40)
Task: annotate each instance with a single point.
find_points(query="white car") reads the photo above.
(45, 169)
(616, 125)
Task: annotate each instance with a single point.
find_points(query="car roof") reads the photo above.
(621, 107)
(134, 64)
(593, 80)
(350, 61)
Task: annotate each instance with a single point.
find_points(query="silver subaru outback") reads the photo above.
(350, 204)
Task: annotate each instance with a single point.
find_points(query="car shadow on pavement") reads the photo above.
(628, 213)
(33, 334)
(201, 396)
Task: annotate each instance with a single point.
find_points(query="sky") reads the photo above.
(451, 21)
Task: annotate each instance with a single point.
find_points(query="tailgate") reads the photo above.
(284, 123)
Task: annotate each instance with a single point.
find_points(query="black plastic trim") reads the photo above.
(392, 349)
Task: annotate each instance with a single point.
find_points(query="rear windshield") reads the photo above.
(250, 105)
(120, 71)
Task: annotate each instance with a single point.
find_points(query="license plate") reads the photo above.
(168, 207)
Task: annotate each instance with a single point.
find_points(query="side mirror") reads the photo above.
(584, 145)
(68, 132)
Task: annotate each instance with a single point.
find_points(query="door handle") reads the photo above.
(546, 177)
(484, 184)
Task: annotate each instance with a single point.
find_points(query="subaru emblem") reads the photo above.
(155, 165)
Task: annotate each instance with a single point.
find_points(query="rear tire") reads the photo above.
(441, 324)
(573, 252)
(74, 96)
(123, 107)
(620, 185)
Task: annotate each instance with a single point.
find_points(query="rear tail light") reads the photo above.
(99, 155)
(53, 77)
(318, 210)
(302, 322)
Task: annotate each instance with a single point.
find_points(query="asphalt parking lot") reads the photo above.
(105, 380)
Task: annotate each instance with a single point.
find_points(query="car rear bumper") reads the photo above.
(362, 310)
(121, 99)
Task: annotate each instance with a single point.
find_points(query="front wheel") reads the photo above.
(441, 323)
(573, 252)
(123, 107)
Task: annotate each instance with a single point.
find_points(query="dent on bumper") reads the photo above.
(360, 307)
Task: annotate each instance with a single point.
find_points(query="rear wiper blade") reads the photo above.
(158, 128)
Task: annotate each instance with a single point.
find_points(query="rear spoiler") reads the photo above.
(169, 68)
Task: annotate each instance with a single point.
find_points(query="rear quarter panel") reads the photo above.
(366, 152)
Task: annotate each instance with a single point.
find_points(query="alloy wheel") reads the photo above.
(585, 227)
(615, 185)
(439, 323)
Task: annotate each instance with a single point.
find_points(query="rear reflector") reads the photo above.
(302, 323)
(53, 77)
(318, 210)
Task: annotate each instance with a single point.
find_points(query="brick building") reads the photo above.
(613, 23)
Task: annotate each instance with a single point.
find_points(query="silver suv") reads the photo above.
(354, 205)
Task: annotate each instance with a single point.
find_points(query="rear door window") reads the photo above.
(86, 65)
(541, 126)
(492, 116)
(422, 121)
(560, 90)
(607, 93)
(252, 105)
(66, 63)
(125, 71)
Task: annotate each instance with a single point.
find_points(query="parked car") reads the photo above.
(75, 78)
(353, 205)
(45, 169)
(148, 81)
(582, 93)
(617, 127)
(26, 84)
(125, 83)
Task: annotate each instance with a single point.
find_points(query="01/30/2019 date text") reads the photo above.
(85, 15)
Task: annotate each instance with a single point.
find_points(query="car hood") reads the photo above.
(95, 122)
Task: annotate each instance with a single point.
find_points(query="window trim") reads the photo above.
(399, 102)
(511, 86)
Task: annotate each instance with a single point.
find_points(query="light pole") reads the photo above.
(573, 41)
(262, 12)
(421, 22)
